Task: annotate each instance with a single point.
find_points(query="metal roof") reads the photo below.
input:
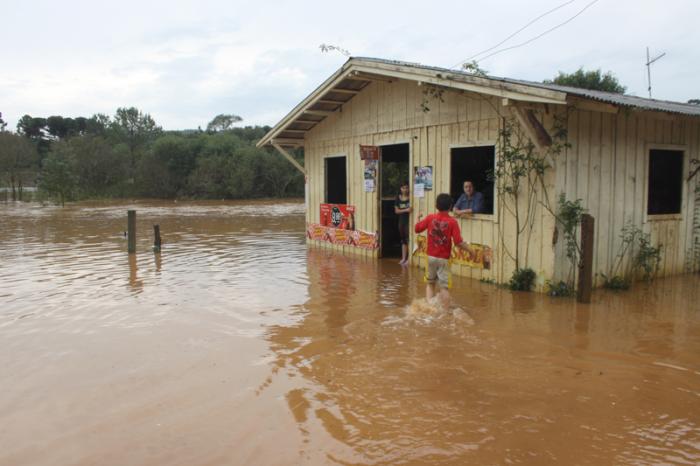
(622, 99)
(357, 72)
(601, 96)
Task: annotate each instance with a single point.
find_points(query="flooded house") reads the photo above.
(375, 124)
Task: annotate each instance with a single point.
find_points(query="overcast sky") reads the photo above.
(185, 62)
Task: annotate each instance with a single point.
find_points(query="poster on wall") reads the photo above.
(340, 216)
(370, 176)
(479, 257)
(357, 238)
(419, 190)
(369, 152)
(424, 176)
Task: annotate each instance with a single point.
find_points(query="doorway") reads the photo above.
(394, 171)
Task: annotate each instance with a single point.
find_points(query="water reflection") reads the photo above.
(158, 258)
(135, 284)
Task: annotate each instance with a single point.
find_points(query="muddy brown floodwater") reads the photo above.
(239, 346)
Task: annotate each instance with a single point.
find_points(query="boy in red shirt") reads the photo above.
(443, 230)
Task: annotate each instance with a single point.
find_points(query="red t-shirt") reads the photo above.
(442, 231)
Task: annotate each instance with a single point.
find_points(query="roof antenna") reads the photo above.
(649, 62)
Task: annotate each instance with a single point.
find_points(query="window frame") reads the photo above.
(647, 160)
(493, 217)
(325, 178)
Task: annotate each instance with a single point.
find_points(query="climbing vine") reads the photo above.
(519, 178)
(569, 217)
(636, 258)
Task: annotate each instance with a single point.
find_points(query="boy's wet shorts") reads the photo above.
(438, 270)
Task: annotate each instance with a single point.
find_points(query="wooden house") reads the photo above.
(629, 160)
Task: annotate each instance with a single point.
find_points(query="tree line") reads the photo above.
(129, 155)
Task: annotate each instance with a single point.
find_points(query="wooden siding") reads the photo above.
(390, 113)
(607, 167)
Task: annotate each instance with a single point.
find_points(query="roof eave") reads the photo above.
(366, 68)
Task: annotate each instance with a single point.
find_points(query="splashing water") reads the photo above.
(426, 311)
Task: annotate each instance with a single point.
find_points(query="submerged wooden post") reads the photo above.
(585, 275)
(156, 238)
(132, 231)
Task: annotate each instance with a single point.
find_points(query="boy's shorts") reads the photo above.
(438, 270)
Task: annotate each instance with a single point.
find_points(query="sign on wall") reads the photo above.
(369, 152)
(370, 175)
(340, 216)
(357, 238)
(479, 258)
(424, 176)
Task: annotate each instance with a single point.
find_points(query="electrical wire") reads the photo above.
(544, 33)
(514, 34)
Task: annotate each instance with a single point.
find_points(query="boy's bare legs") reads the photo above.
(444, 298)
(429, 291)
(443, 295)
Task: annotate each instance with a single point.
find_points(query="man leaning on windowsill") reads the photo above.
(471, 202)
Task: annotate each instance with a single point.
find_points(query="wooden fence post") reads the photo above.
(156, 238)
(585, 276)
(132, 231)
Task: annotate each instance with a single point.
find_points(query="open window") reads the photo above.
(665, 188)
(473, 164)
(336, 180)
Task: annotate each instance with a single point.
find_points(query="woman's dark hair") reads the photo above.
(401, 186)
(443, 202)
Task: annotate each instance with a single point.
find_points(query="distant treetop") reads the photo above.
(593, 80)
(222, 122)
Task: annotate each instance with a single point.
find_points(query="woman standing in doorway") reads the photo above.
(402, 208)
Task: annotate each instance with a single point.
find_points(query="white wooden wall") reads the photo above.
(607, 167)
(390, 113)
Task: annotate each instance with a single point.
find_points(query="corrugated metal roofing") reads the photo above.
(600, 96)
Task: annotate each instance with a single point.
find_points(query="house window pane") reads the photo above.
(665, 182)
(336, 181)
(473, 164)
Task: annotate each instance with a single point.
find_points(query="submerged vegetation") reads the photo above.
(522, 279)
(637, 258)
(129, 155)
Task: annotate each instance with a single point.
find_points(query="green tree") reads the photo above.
(97, 124)
(222, 122)
(60, 127)
(593, 80)
(58, 179)
(3, 125)
(277, 177)
(208, 179)
(241, 174)
(177, 156)
(18, 162)
(134, 129)
(35, 129)
(31, 127)
(100, 168)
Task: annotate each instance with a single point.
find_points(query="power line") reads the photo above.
(544, 33)
(515, 33)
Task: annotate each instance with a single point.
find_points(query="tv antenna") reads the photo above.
(649, 62)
